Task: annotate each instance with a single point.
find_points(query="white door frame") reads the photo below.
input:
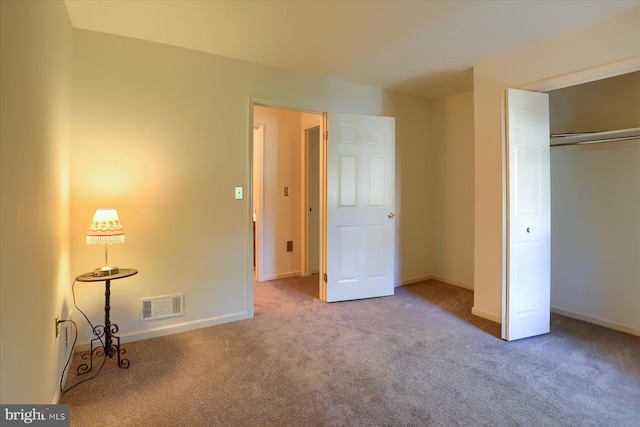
(269, 103)
(257, 194)
(306, 178)
(585, 76)
(566, 80)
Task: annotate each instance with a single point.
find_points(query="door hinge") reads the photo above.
(326, 135)
(324, 277)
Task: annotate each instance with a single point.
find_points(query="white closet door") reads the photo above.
(527, 304)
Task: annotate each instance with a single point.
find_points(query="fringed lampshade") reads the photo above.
(105, 229)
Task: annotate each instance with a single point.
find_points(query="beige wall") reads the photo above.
(413, 190)
(162, 134)
(603, 44)
(451, 182)
(35, 116)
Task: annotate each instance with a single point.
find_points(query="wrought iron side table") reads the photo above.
(108, 330)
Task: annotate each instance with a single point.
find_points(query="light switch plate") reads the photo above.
(239, 193)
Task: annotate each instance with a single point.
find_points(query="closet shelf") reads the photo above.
(595, 137)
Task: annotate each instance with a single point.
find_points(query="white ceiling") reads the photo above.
(425, 48)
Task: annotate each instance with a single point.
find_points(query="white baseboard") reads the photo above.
(414, 280)
(281, 275)
(477, 312)
(596, 321)
(486, 315)
(65, 374)
(438, 278)
(172, 329)
(452, 282)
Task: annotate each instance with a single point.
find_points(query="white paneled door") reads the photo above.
(360, 207)
(526, 299)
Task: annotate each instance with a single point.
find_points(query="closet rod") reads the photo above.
(594, 141)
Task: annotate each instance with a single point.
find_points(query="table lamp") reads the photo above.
(105, 229)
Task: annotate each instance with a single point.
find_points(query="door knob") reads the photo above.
(391, 215)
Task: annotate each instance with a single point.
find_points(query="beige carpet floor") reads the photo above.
(418, 358)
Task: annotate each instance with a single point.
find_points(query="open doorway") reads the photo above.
(357, 199)
(285, 193)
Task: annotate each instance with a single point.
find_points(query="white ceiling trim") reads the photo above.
(613, 69)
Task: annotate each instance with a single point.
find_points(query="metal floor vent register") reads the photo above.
(161, 307)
